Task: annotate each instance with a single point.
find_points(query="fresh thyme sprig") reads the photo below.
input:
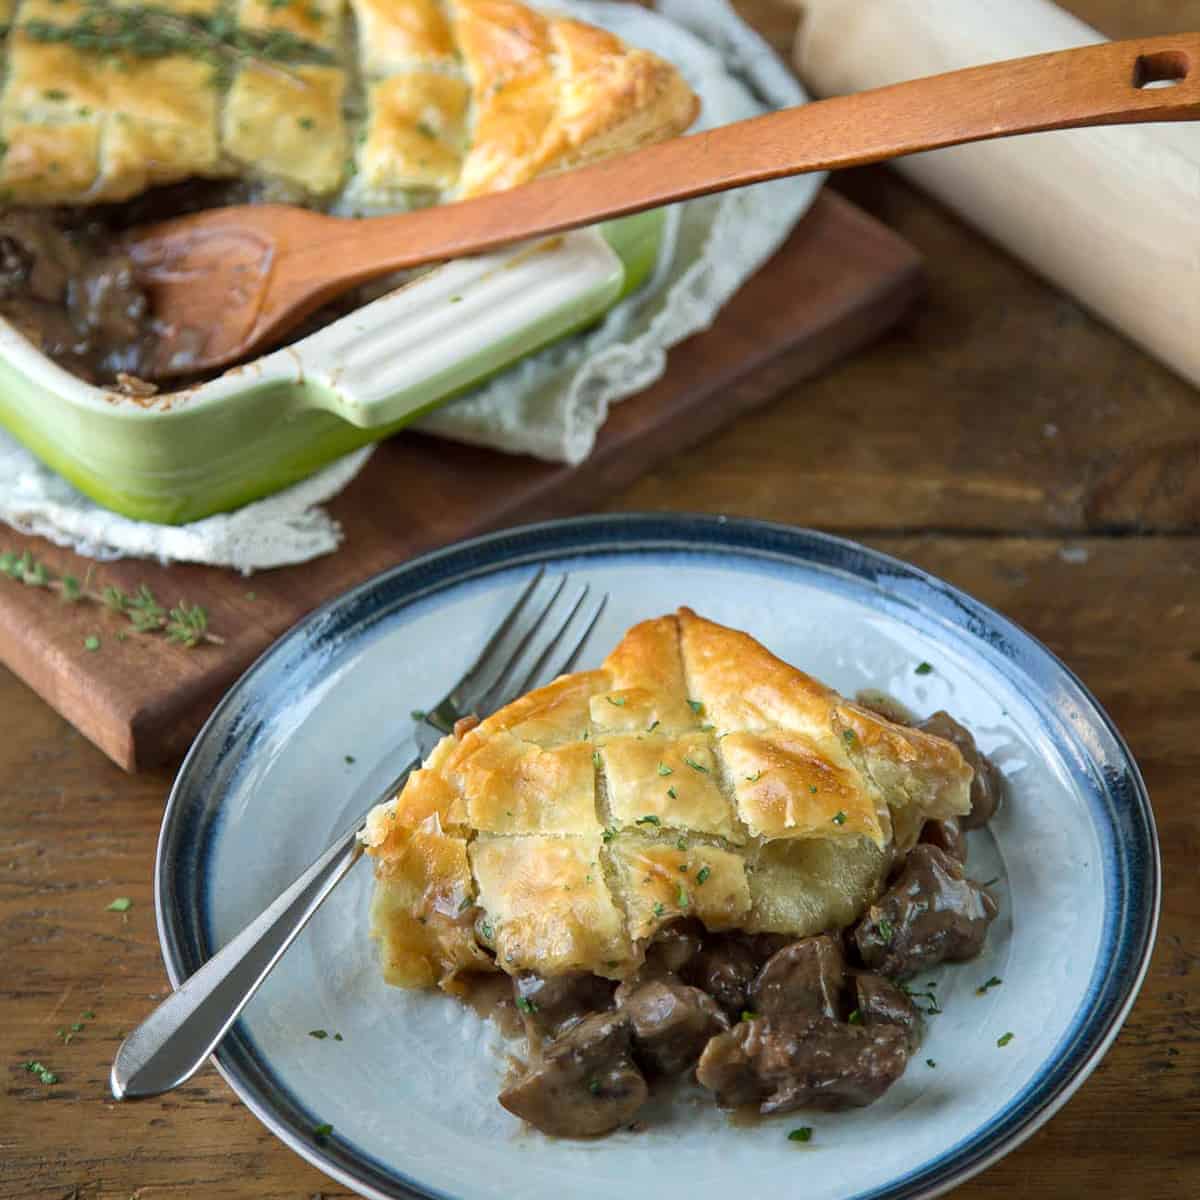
(186, 625)
(152, 32)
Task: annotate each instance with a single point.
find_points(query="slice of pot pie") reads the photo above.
(694, 777)
(384, 103)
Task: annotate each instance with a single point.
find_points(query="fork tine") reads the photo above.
(496, 695)
(568, 655)
(503, 628)
(493, 670)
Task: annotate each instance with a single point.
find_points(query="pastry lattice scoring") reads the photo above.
(387, 100)
(694, 774)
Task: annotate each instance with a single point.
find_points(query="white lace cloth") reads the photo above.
(551, 405)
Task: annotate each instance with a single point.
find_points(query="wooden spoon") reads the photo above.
(225, 281)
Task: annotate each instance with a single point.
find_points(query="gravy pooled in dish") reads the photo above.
(696, 859)
(354, 106)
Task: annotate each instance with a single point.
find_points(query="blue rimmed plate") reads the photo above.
(306, 737)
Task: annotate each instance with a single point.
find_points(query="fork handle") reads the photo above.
(172, 1044)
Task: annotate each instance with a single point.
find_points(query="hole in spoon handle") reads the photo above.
(1164, 68)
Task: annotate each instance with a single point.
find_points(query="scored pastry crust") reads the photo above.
(694, 775)
(385, 102)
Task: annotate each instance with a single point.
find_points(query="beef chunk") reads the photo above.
(725, 968)
(881, 1002)
(587, 1083)
(671, 1025)
(802, 1061)
(946, 835)
(988, 785)
(931, 914)
(36, 258)
(552, 1005)
(805, 977)
(675, 946)
(670, 951)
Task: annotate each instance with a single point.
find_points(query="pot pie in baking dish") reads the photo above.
(694, 858)
(115, 112)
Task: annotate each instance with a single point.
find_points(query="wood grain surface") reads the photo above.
(1000, 438)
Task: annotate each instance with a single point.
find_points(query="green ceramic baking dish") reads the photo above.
(179, 456)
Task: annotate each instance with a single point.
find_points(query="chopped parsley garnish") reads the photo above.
(696, 706)
(486, 929)
(418, 714)
(886, 931)
(803, 1134)
(44, 1074)
(812, 787)
(120, 904)
(1003, 1041)
(754, 778)
(663, 769)
(55, 94)
(594, 1086)
(855, 1018)
(91, 642)
(924, 669)
(702, 875)
(748, 1014)
(848, 736)
(680, 844)
(596, 759)
(349, 759)
(652, 726)
(526, 1005)
(934, 1008)
(465, 903)
(672, 793)
(696, 766)
(323, 1131)
(995, 981)
(319, 1034)
(306, 123)
(839, 817)
(659, 909)
(426, 130)
(616, 701)
(608, 834)
(648, 819)
(930, 1063)
(683, 896)
(337, 1037)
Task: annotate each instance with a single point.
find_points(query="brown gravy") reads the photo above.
(70, 288)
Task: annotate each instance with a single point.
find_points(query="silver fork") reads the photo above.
(540, 638)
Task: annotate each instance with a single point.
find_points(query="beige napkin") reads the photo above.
(1110, 215)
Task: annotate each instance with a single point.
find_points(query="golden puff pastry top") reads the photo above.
(383, 103)
(694, 775)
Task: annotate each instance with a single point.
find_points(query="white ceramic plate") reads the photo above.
(303, 741)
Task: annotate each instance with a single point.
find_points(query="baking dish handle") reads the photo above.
(453, 327)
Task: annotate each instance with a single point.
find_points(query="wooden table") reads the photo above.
(1000, 438)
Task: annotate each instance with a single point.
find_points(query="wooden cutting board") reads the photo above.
(840, 280)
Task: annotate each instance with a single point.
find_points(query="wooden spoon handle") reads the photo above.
(1093, 85)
